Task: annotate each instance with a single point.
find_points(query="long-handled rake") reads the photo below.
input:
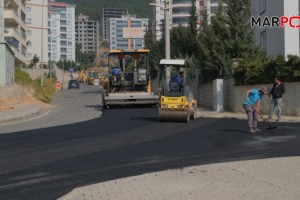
(270, 127)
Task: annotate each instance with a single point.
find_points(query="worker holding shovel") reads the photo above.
(252, 105)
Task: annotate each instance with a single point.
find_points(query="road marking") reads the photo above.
(26, 120)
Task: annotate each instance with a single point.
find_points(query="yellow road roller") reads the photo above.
(177, 106)
(176, 102)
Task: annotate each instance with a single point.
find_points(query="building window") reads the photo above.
(213, 9)
(28, 20)
(29, 56)
(263, 40)
(28, 32)
(28, 9)
(262, 6)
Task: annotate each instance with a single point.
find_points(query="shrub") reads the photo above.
(22, 77)
(262, 72)
(46, 92)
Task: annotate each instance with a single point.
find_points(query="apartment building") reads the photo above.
(37, 31)
(15, 28)
(127, 32)
(87, 34)
(179, 12)
(159, 18)
(61, 24)
(107, 13)
(277, 40)
(1, 20)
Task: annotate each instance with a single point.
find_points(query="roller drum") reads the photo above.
(174, 116)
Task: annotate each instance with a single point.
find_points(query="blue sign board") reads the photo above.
(71, 69)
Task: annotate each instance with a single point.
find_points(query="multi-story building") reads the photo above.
(37, 30)
(61, 24)
(120, 29)
(159, 16)
(1, 20)
(277, 40)
(179, 12)
(107, 13)
(15, 28)
(87, 34)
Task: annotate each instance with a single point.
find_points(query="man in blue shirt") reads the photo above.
(179, 80)
(252, 106)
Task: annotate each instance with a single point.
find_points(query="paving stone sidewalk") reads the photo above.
(265, 179)
(20, 112)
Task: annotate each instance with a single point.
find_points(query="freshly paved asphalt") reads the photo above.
(74, 146)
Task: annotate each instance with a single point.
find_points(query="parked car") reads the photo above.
(74, 84)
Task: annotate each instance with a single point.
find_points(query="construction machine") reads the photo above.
(128, 80)
(82, 77)
(176, 102)
(92, 78)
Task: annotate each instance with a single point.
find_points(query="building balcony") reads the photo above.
(20, 57)
(182, 5)
(12, 4)
(11, 32)
(11, 18)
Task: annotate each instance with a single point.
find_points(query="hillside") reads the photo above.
(140, 8)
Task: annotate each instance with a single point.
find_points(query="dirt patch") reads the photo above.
(7, 104)
(10, 103)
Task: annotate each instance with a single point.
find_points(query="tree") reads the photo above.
(214, 56)
(181, 42)
(241, 40)
(35, 60)
(193, 22)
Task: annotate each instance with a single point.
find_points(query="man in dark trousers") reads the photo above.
(277, 92)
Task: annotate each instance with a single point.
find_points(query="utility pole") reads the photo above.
(42, 45)
(167, 39)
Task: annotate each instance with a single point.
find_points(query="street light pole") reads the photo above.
(167, 39)
(42, 46)
(167, 8)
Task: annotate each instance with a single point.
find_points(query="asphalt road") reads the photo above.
(73, 145)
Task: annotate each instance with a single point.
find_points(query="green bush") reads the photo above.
(263, 72)
(22, 77)
(46, 92)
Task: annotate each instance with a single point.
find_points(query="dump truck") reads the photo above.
(128, 80)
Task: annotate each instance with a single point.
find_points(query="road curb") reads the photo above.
(20, 113)
(239, 116)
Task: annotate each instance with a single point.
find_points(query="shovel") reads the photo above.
(265, 120)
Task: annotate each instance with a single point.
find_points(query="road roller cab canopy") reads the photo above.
(136, 54)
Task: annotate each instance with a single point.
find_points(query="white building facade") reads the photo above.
(1, 20)
(179, 12)
(37, 30)
(87, 34)
(117, 40)
(15, 28)
(277, 40)
(61, 24)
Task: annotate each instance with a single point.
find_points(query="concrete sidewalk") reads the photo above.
(265, 179)
(20, 112)
(207, 113)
